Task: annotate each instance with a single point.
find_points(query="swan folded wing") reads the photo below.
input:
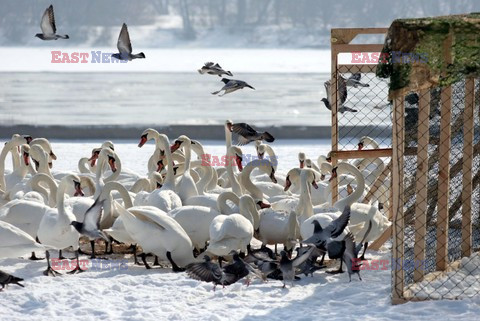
(48, 22)
(124, 45)
(143, 216)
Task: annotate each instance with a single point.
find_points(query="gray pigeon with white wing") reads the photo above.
(48, 27)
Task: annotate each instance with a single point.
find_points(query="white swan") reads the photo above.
(232, 232)
(186, 187)
(14, 242)
(16, 140)
(164, 198)
(55, 229)
(259, 189)
(159, 234)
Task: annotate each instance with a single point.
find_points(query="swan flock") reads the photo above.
(218, 219)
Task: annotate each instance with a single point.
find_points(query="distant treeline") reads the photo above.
(236, 16)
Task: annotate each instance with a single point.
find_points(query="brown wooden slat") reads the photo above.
(468, 120)
(398, 197)
(444, 179)
(421, 183)
(334, 109)
(340, 48)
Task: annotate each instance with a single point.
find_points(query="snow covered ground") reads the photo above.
(136, 294)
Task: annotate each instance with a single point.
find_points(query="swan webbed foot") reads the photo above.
(51, 272)
(33, 257)
(175, 267)
(156, 263)
(76, 270)
(143, 256)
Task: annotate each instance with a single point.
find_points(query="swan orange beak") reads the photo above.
(263, 205)
(143, 140)
(111, 162)
(238, 160)
(78, 189)
(53, 156)
(160, 166)
(288, 183)
(93, 158)
(334, 174)
(360, 146)
(26, 159)
(175, 146)
(302, 164)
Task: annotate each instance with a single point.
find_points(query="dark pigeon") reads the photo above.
(232, 85)
(124, 46)
(213, 69)
(247, 134)
(6, 279)
(48, 26)
(287, 266)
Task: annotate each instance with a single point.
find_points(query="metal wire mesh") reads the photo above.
(437, 214)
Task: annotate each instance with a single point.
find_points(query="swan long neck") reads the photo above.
(52, 186)
(256, 193)
(142, 184)
(222, 201)
(82, 166)
(305, 206)
(188, 155)
(15, 158)
(111, 186)
(245, 211)
(272, 156)
(358, 192)
(372, 177)
(206, 175)
(228, 139)
(60, 195)
(170, 179)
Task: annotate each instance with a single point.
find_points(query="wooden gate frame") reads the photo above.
(341, 39)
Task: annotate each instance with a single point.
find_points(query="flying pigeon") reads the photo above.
(232, 85)
(6, 279)
(48, 26)
(124, 46)
(213, 69)
(247, 134)
(342, 91)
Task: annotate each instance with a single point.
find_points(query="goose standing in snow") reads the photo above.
(48, 27)
(232, 85)
(124, 46)
(213, 69)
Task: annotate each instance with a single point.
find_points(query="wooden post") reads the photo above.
(444, 166)
(333, 105)
(398, 141)
(468, 119)
(421, 184)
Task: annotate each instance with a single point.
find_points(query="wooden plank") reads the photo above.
(421, 183)
(444, 167)
(398, 142)
(334, 109)
(468, 120)
(340, 48)
(364, 68)
(378, 182)
(444, 179)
